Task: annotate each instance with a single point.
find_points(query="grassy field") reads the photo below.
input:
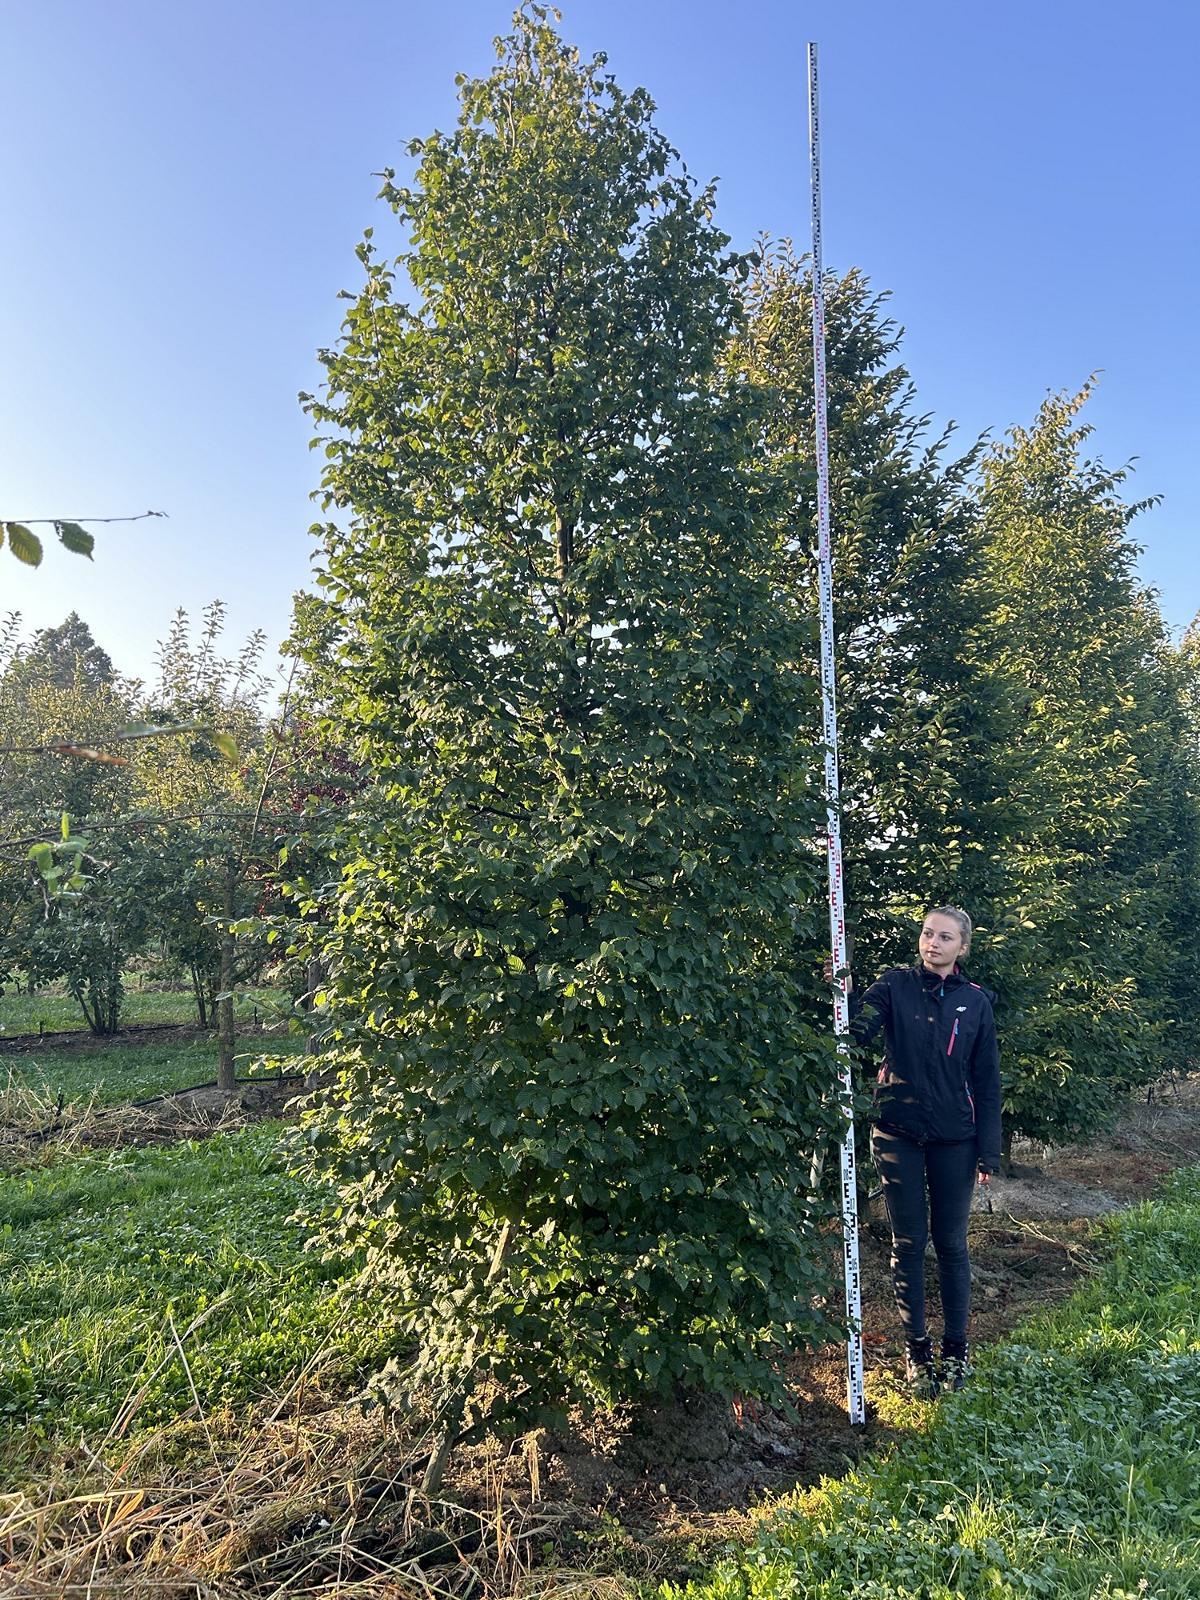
(118, 1073)
(142, 1286)
(1070, 1470)
(53, 1011)
(137, 1283)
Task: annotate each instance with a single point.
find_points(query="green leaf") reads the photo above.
(42, 857)
(227, 745)
(76, 539)
(26, 546)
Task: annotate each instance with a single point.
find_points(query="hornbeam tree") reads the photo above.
(575, 1064)
(1091, 881)
(1161, 852)
(926, 771)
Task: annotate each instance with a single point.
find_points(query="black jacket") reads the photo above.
(941, 1078)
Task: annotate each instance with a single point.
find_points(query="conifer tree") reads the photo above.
(67, 654)
(575, 1062)
(1183, 668)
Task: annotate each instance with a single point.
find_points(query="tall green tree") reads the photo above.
(116, 832)
(1184, 672)
(44, 703)
(1080, 645)
(575, 1065)
(69, 653)
(323, 774)
(1161, 852)
(210, 795)
(924, 723)
(50, 707)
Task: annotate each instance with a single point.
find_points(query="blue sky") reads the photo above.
(182, 187)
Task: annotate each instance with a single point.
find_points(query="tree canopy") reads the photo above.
(574, 1073)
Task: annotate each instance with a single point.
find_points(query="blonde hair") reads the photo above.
(959, 916)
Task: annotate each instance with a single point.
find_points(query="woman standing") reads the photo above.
(936, 1119)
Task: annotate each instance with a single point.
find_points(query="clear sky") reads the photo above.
(182, 186)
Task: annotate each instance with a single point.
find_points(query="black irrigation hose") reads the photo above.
(52, 1127)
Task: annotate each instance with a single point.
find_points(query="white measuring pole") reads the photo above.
(855, 1399)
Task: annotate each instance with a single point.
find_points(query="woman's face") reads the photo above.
(941, 943)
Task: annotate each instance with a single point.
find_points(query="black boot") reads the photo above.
(956, 1363)
(919, 1368)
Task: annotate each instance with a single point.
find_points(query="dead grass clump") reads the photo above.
(37, 1126)
(307, 1499)
(33, 1120)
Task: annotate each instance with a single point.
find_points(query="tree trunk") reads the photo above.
(202, 1015)
(226, 1032)
(447, 1437)
(1006, 1141)
(114, 991)
(314, 976)
(80, 992)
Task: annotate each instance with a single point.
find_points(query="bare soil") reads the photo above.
(81, 1039)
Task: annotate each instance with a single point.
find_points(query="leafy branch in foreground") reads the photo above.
(225, 742)
(72, 535)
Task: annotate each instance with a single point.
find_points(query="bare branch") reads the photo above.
(54, 521)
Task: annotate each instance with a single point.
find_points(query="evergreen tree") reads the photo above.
(575, 1063)
(1184, 672)
(1162, 851)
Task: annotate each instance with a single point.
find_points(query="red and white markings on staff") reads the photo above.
(855, 1398)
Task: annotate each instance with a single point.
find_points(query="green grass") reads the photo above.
(1070, 1470)
(119, 1073)
(106, 1259)
(53, 1012)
